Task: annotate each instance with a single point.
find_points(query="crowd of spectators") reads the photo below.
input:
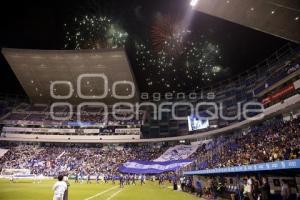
(274, 141)
(52, 160)
(265, 143)
(93, 118)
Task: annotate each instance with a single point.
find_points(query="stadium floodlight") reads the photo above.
(193, 2)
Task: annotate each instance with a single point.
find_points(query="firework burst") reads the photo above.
(176, 60)
(198, 62)
(167, 35)
(92, 32)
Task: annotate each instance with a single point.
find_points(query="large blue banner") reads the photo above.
(152, 167)
(277, 165)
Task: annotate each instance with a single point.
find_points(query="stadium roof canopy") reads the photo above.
(277, 17)
(37, 70)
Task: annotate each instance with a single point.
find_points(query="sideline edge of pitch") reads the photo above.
(114, 194)
(100, 193)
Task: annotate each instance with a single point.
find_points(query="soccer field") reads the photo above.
(27, 190)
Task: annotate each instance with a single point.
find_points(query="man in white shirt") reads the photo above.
(249, 188)
(59, 188)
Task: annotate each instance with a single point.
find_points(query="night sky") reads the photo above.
(41, 25)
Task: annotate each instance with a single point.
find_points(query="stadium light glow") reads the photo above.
(194, 2)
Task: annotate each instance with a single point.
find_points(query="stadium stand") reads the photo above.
(272, 141)
(52, 160)
(264, 80)
(41, 145)
(120, 92)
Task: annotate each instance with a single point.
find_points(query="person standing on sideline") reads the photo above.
(59, 188)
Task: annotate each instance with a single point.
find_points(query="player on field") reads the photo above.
(97, 178)
(133, 179)
(113, 178)
(76, 177)
(127, 178)
(121, 181)
(105, 179)
(143, 179)
(12, 178)
(160, 180)
(89, 179)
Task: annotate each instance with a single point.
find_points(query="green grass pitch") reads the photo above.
(27, 190)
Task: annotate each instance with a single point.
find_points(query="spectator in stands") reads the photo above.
(77, 160)
(264, 189)
(285, 190)
(266, 143)
(249, 188)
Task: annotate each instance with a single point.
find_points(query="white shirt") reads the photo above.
(249, 181)
(59, 188)
(249, 185)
